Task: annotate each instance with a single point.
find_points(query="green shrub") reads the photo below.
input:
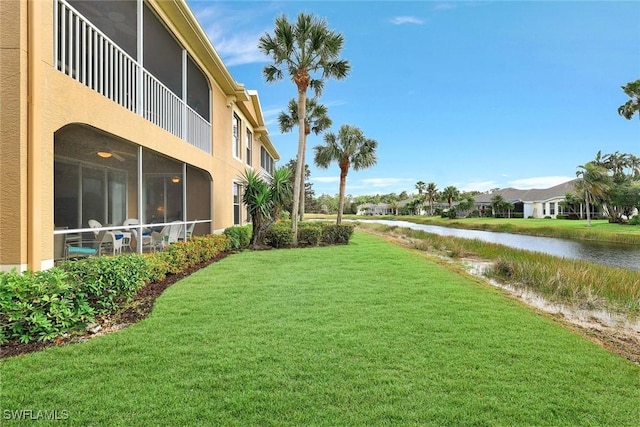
(157, 268)
(107, 282)
(452, 214)
(309, 234)
(635, 220)
(279, 235)
(47, 304)
(180, 256)
(333, 234)
(40, 306)
(240, 236)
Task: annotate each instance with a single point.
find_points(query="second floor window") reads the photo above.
(266, 161)
(249, 143)
(236, 136)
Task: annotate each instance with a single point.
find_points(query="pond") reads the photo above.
(612, 254)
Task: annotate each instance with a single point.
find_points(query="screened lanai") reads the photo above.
(108, 180)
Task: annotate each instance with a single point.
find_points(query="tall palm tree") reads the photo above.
(421, 187)
(432, 194)
(350, 148)
(316, 121)
(308, 51)
(594, 184)
(632, 106)
(450, 194)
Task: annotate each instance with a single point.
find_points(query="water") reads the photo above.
(613, 254)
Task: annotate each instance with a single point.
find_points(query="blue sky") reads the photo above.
(475, 94)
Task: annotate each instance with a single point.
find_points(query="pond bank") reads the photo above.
(618, 333)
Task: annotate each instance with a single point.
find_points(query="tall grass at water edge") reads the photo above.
(571, 282)
(600, 230)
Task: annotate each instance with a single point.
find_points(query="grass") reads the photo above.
(600, 230)
(364, 334)
(571, 282)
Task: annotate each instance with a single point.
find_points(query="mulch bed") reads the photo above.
(138, 309)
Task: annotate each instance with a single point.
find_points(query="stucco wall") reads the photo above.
(56, 100)
(13, 124)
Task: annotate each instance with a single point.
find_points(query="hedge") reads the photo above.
(47, 304)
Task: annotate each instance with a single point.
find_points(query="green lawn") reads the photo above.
(359, 335)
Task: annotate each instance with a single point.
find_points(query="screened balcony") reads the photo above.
(103, 178)
(121, 50)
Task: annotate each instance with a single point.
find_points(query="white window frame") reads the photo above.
(236, 137)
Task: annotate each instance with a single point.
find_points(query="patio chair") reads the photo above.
(75, 248)
(190, 228)
(169, 234)
(107, 241)
(147, 242)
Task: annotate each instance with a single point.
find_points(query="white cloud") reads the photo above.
(443, 6)
(225, 28)
(399, 20)
(539, 182)
(478, 186)
(386, 182)
(326, 179)
(238, 49)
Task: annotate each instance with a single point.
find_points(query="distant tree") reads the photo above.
(328, 204)
(403, 196)
(432, 195)
(618, 175)
(316, 121)
(571, 200)
(500, 205)
(632, 106)
(450, 194)
(308, 52)
(309, 199)
(466, 204)
(349, 148)
(594, 185)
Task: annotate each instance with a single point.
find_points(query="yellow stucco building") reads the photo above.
(116, 110)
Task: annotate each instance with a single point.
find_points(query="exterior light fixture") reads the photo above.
(175, 179)
(104, 153)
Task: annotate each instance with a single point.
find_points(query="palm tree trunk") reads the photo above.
(586, 199)
(343, 184)
(302, 99)
(302, 180)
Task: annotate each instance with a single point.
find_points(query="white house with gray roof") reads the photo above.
(535, 203)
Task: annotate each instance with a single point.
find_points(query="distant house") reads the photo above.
(375, 209)
(536, 203)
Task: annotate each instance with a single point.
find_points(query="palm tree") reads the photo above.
(450, 194)
(264, 200)
(309, 53)
(421, 186)
(432, 194)
(316, 121)
(632, 106)
(499, 204)
(594, 184)
(349, 148)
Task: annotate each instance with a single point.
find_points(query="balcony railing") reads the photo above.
(86, 54)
